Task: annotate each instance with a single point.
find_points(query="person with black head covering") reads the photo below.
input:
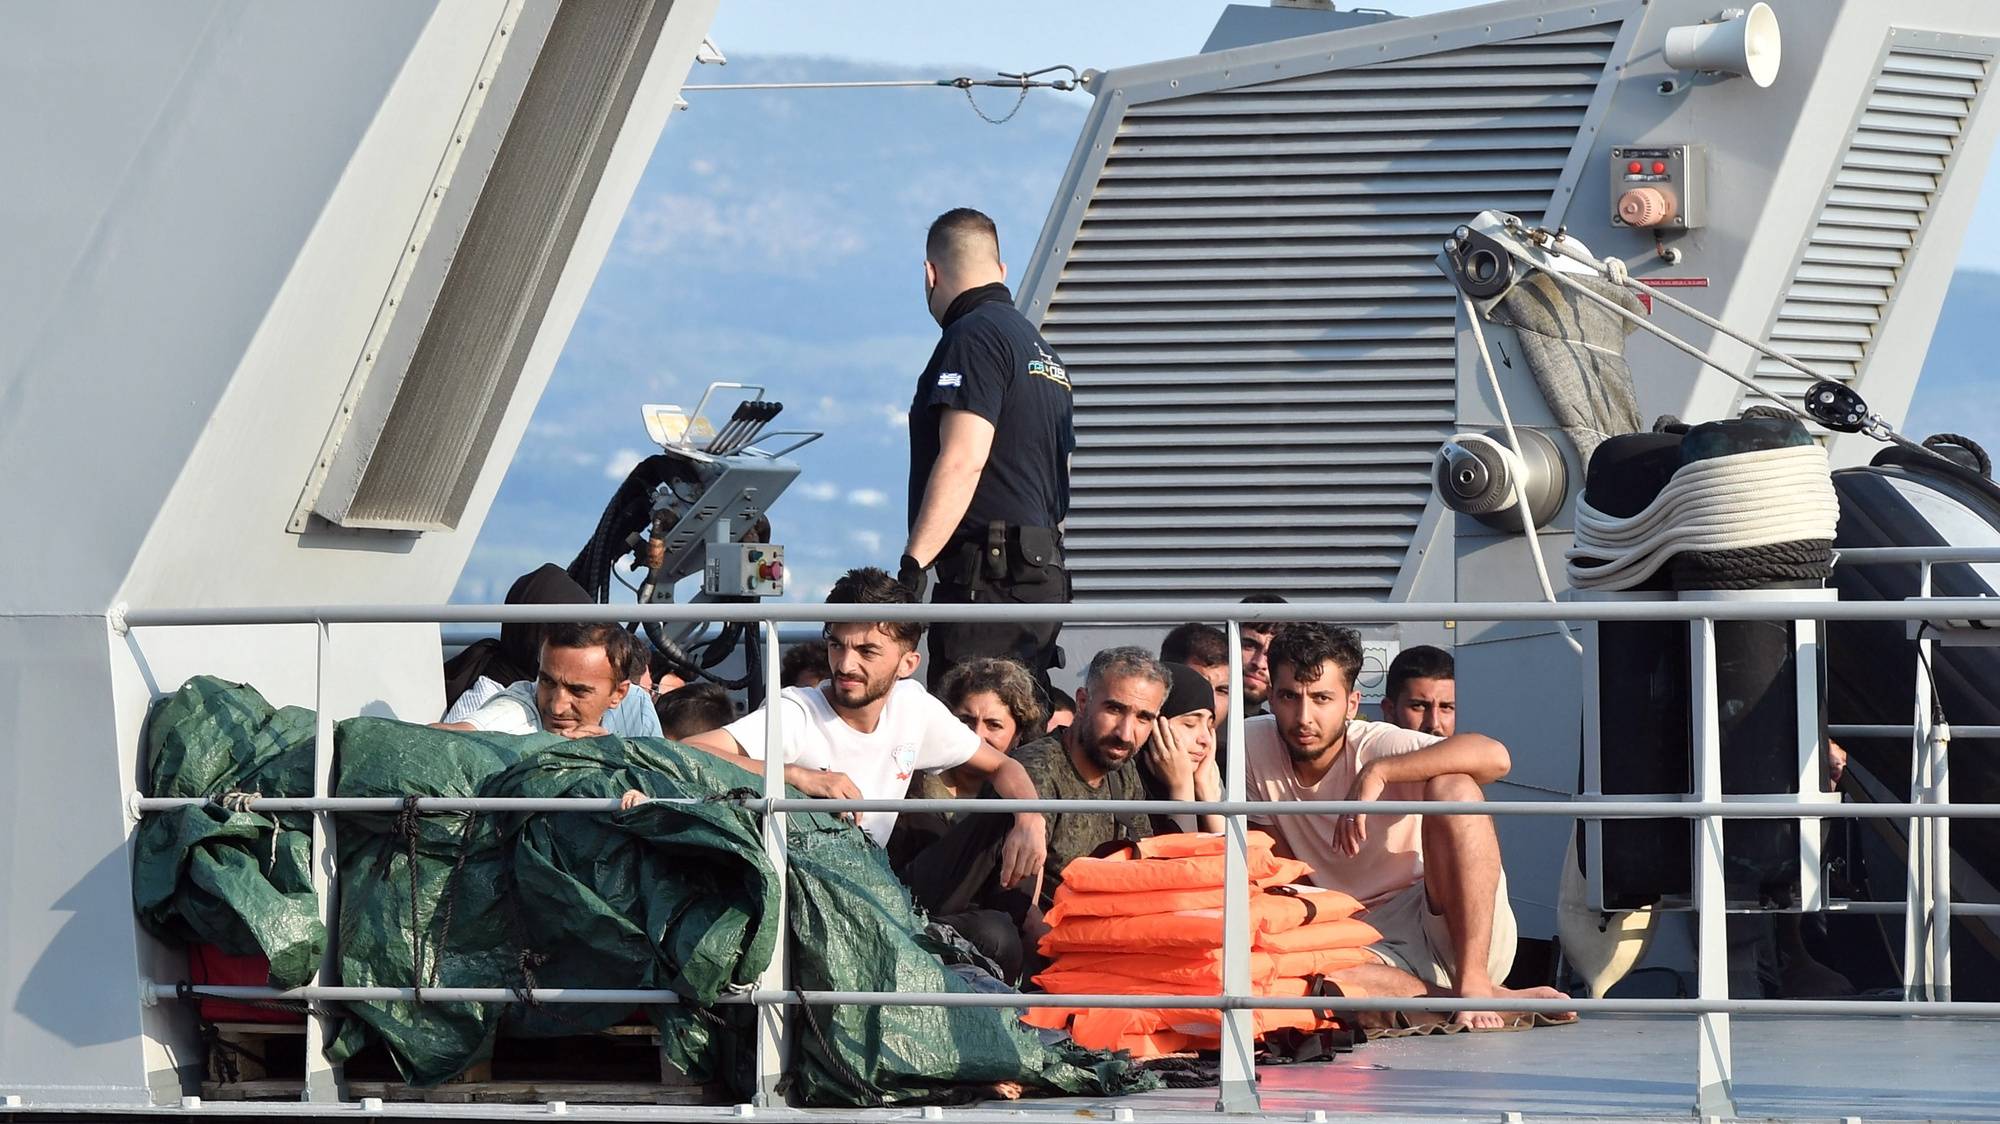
(1179, 761)
(488, 667)
(514, 656)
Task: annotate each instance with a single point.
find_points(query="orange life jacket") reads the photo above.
(1339, 932)
(1071, 902)
(1140, 1033)
(1182, 861)
(1148, 920)
(1272, 915)
(1152, 1031)
(1122, 973)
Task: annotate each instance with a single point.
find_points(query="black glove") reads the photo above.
(914, 578)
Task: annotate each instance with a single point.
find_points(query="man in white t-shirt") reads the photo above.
(584, 673)
(1433, 885)
(631, 717)
(864, 732)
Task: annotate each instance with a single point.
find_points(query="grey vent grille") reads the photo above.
(1873, 216)
(1261, 342)
(420, 469)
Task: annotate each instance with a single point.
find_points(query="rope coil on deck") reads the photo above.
(1749, 503)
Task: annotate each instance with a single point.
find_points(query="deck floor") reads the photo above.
(1643, 1066)
(1608, 1067)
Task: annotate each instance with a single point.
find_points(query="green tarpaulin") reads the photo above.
(675, 896)
(237, 880)
(639, 900)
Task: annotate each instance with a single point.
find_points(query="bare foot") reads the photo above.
(1007, 1090)
(1494, 1020)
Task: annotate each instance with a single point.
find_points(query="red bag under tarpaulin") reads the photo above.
(208, 964)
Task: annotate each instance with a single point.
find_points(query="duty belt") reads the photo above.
(989, 556)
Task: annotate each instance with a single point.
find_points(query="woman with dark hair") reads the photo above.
(996, 699)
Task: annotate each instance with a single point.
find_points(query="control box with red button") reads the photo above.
(1659, 187)
(744, 569)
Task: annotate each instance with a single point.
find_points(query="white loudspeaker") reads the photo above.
(1744, 43)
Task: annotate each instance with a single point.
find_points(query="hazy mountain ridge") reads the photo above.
(776, 238)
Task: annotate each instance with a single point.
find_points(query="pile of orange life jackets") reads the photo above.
(1150, 923)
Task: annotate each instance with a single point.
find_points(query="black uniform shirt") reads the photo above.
(992, 362)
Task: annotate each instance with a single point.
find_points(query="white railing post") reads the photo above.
(772, 1040)
(1807, 704)
(1714, 1077)
(1937, 754)
(1920, 937)
(325, 1081)
(1238, 1078)
(1590, 832)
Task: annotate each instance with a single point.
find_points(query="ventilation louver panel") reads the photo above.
(1261, 341)
(1872, 216)
(435, 441)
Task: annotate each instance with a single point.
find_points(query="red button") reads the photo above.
(1659, 168)
(1635, 167)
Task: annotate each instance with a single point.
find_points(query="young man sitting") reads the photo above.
(1421, 691)
(584, 675)
(1433, 885)
(863, 733)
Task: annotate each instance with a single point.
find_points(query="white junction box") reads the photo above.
(744, 569)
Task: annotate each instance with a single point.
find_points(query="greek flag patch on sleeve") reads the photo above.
(950, 378)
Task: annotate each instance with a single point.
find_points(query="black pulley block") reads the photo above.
(1481, 266)
(1836, 407)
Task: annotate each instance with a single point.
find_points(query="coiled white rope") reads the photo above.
(1736, 502)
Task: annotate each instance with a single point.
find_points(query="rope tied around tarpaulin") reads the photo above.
(407, 822)
(236, 801)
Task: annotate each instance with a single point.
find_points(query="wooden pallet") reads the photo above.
(248, 1053)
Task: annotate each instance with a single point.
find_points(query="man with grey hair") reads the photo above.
(1093, 758)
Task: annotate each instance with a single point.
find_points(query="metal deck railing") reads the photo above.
(1928, 907)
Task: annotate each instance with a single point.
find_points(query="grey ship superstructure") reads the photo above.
(283, 284)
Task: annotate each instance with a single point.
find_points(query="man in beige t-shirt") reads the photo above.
(1446, 925)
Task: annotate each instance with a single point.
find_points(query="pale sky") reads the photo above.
(1031, 33)
(1028, 34)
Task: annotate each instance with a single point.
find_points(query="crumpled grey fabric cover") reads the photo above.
(1576, 349)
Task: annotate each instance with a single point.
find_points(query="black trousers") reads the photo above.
(957, 881)
(1031, 645)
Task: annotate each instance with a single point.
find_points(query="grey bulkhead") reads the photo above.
(241, 239)
(1240, 271)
